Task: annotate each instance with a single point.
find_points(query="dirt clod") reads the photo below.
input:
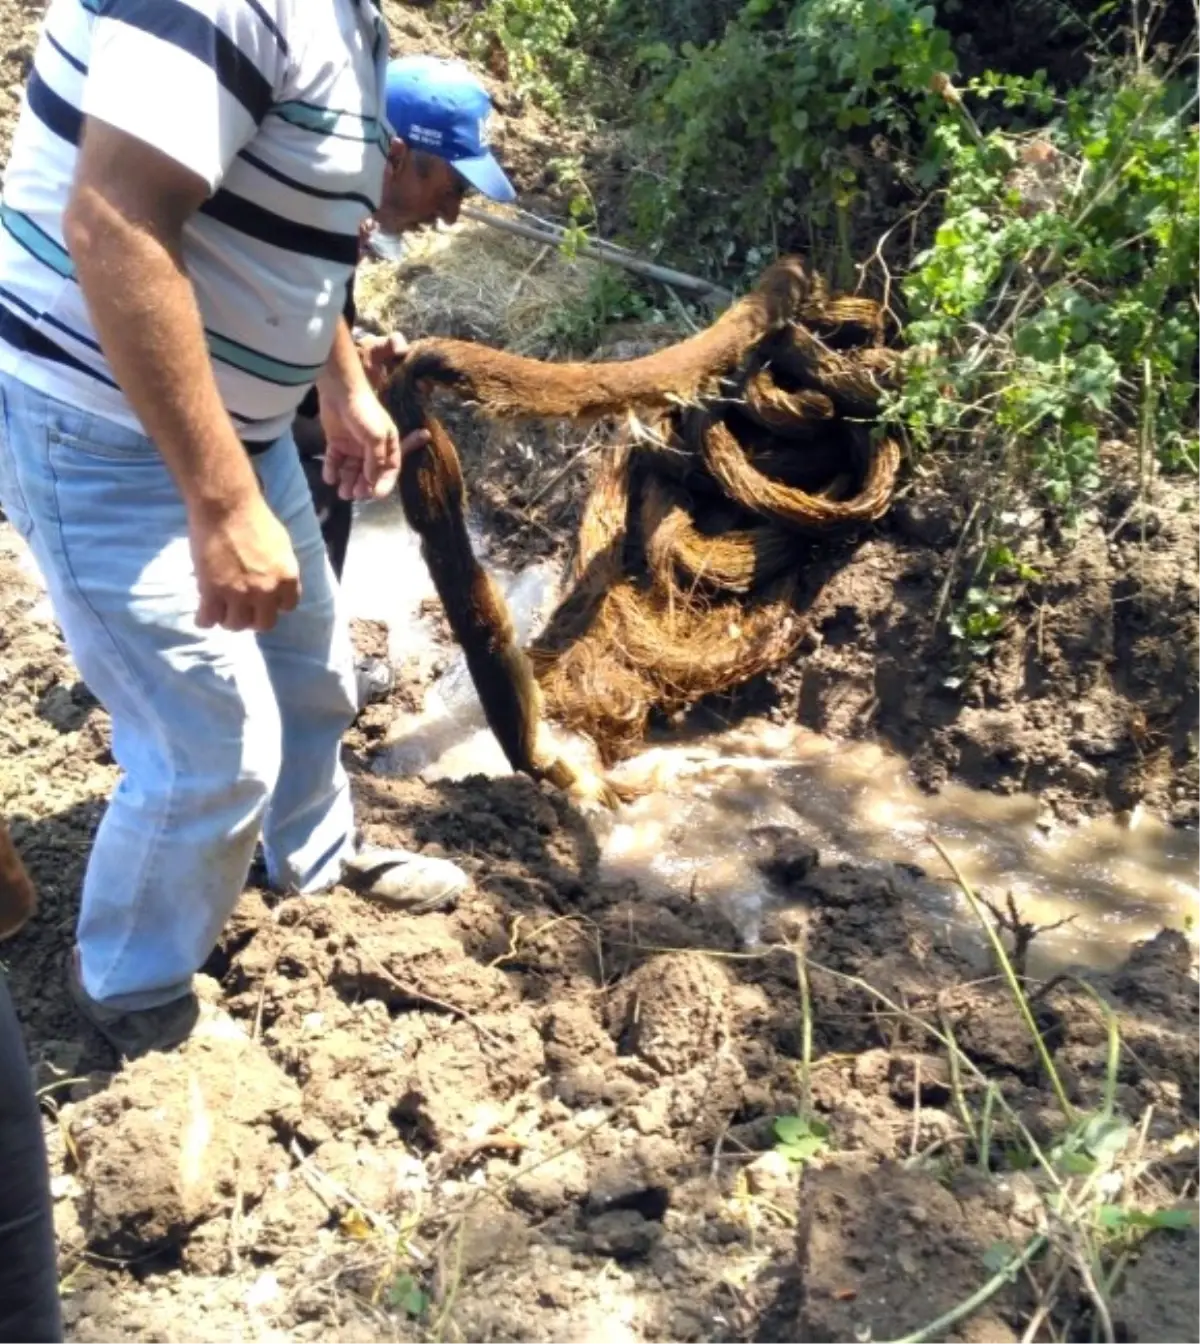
(176, 1139)
(673, 1012)
(623, 1234)
(1157, 1302)
(885, 1252)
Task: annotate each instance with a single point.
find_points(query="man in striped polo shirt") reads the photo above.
(179, 222)
(438, 111)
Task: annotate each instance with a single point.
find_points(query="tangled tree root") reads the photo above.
(687, 559)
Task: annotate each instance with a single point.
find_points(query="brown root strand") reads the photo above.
(799, 414)
(661, 650)
(513, 386)
(739, 560)
(845, 322)
(854, 382)
(683, 579)
(434, 500)
(742, 481)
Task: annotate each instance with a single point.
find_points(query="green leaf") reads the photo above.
(998, 1256)
(656, 53)
(1115, 1218)
(800, 1139)
(1105, 1136)
(792, 1128)
(406, 1295)
(789, 1128)
(1077, 1164)
(803, 1150)
(1178, 1220)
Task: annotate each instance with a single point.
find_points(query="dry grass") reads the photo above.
(473, 283)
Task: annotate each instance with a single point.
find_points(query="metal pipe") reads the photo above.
(546, 232)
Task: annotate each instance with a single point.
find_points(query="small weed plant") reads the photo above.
(610, 298)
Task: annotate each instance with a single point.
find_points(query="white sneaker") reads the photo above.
(417, 883)
(374, 679)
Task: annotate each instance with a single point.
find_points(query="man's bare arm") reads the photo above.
(343, 375)
(123, 227)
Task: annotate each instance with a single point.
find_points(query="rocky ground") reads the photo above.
(552, 1112)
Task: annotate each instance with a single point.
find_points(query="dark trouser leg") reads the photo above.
(336, 531)
(335, 515)
(29, 1305)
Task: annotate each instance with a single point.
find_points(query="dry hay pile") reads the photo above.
(740, 444)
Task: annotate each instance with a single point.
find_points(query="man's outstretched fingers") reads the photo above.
(418, 438)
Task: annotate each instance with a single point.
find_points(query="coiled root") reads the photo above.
(685, 568)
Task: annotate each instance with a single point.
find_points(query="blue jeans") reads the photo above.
(220, 736)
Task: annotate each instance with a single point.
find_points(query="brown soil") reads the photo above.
(551, 1109)
(1087, 698)
(548, 1114)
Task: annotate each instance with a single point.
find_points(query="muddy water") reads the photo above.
(857, 803)
(694, 828)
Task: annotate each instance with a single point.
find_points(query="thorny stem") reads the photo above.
(1112, 1061)
(806, 1032)
(951, 569)
(1010, 976)
(1084, 1270)
(1045, 1306)
(985, 1128)
(956, 1087)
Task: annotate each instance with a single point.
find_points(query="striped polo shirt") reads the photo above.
(279, 106)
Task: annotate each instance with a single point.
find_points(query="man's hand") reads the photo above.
(245, 566)
(362, 448)
(381, 356)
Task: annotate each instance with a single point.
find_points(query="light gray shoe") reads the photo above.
(374, 679)
(417, 883)
(132, 1033)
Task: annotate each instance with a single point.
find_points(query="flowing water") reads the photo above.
(693, 829)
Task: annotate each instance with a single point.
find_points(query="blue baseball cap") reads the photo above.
(439, 106)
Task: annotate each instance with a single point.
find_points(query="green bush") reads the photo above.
(545, 42)
(768, 131)
(1056, 305)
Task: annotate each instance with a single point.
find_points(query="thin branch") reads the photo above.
(937, 1329)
